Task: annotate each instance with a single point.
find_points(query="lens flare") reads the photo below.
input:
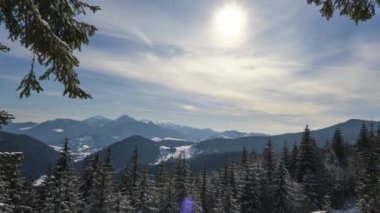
(187, 206)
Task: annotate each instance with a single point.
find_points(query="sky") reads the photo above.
(276, 68)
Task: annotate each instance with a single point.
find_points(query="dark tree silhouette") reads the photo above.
(356, 10)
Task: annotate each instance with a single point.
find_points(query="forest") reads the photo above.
(302, 178)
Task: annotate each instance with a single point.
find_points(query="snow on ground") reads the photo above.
(58, 130)
(26, 128)
(167, 153)
(40, 180)
(353, 210)
(158, 139)
(56, 148)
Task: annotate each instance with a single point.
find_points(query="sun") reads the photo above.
(230, 21)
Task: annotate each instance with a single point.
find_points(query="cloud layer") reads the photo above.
(163, 60)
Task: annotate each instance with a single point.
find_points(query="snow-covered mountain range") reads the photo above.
(96, 133)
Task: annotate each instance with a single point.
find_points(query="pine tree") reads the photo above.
(64, 194)
(293, 161)
(252, 156)
(310, 189)
(100, 186)
(30, 197)
(16, 189)
(228, 189)
(206, 193)
(369, 171)
(169, 204)
(144, 202)
(230, 204)
(244, 157)
(52, 31)
(108, 182)
(250, 196)
(363, 142)
(309, 170)
(181, 180)
(132, 178)
(233, 182)
(163, 190)
(286, 194)
(86, 181)
(218, 196)
(4, 197)
(285, 157)
(338, 147)
(268, 160)
(14, 184)
(122, 204)
(268, 165)
(46, 202)
(7, 162)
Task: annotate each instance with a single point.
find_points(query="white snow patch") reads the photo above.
(158, 139)
(56, 148)
(58, 130)
(353, 210)
(84, 146)
(174, 139)
(167, 153)
(40, 180)
(26, 128)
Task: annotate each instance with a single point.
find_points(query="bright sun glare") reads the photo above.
(230, 21)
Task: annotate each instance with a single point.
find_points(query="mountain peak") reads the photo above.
(125, 118)
(96, 121)
(98, 117)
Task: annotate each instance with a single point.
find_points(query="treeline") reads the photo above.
(303, 178)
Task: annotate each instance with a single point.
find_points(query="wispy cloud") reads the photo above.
(288, 69)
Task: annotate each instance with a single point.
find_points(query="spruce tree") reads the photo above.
(205, 193)
(144, 202)
(122, 204)
(268, 160)
(293, 161)
(338, 147)
(7, 162)
(163, 191)
(169, 204)
(218, 196)
(309, 170)
(250, 196)
(132, 177)
(369, 171)
(16, 185)
(108, 182)
(52, 32)
(268, 165)
(63, 186)
(285, 157)
(285, 192)
(244, 157)
(181, 180)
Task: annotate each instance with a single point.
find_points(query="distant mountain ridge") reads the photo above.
(220, 149)
(162, 150)
(93, 134)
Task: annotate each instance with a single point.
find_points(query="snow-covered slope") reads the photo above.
(167, 153)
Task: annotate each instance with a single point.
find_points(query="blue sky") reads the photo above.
(164, 60)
